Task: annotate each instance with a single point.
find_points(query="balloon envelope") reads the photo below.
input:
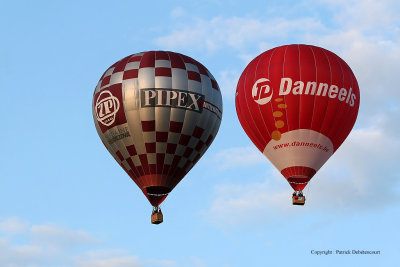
(157, 112)
(297, 103)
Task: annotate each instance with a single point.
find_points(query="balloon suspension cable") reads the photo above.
(156, 209)
(298, 193)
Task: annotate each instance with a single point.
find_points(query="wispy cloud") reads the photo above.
(237, 157)
(246, 204)
(369, 18)
(120, 258)
(366, 15)
(234, 32)
(41, 244)
(26, 245)
(121, 261)
(57, 237)
(13, 225)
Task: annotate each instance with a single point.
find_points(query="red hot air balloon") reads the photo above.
(297, 103)
(157, 113)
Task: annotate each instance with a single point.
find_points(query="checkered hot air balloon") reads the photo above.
(157, 113)
(297, 103)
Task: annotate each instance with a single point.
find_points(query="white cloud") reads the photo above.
(238, 157)
(51, 245)
(243, 204)
(57, 237)
(19, 255)
(12, 225)
(120, 258)
(366, 15)
(37, 244)
(107, 258)
(234, 32)
(162, 263)
(178, 12)
(112, 262)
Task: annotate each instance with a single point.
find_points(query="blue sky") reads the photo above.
(65, 201)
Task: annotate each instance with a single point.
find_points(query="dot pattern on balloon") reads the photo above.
(279, 124)
(276, 135)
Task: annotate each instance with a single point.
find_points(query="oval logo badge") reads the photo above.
(107, 107)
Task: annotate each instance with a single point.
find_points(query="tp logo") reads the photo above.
(261, 91)
(107, 107)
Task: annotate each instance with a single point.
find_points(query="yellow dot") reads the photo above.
(276, 135)
(277, 114)
(282, 106)
(279, 99)
(279, 124)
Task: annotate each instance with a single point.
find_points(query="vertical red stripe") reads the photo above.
(292, 70)
(308, 75)
(323, 76)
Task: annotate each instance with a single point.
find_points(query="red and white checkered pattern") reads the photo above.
(156, 64)
(161, 144)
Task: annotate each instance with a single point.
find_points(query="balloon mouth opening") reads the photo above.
(157, 190)
(298, 179)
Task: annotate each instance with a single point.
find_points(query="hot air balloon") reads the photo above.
(157, 112)
(297, 103)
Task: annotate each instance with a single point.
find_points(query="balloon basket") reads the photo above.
(299, 200)
(156, 216)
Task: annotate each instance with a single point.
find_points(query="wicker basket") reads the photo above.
(299, 200)
(156, 218)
